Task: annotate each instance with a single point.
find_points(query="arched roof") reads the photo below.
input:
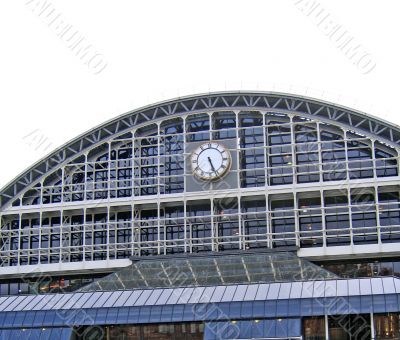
(238, 100)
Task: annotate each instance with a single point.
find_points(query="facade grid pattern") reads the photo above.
(296, 182)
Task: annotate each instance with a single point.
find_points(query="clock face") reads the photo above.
(210, 161)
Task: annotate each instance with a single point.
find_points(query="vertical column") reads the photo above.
(377, 212)
(266, 150)
(133, 167)
(185, 156)
(214, 232)
(85, 178)
(242, 243)
(19, 237)
(159, 241)
(324, 243)
(158, 164)
(373, 337)
(346, 154)
(372, 141)
(108, 227)
(63, 182)
(84, 234)
(108, 190)
(350, 214)
(319, 146)
(296, 215)
(293, 149)
(268, 221)
(238, 151)
(40, 234)
(326, 327)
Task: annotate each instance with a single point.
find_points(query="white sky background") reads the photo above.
(156, 50)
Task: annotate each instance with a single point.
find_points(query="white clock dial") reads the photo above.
(210, 161)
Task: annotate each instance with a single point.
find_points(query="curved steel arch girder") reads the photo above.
(353, 119)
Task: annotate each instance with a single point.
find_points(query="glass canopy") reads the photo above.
(212, 270)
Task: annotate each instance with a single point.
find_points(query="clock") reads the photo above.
(210, 161)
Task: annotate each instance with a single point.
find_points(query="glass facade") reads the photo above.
(349, 327)
(46, 284)
(364, 268)
(306, 219)
(211, 271)
(170, 331)
(314, 328)
(307, 180)
(387, 326)
(270, 150)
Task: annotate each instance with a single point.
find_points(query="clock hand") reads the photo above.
(212, 166)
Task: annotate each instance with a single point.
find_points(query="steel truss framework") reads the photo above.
(309, 174)
(199, 103)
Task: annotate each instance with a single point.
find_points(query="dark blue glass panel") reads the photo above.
(177, 314)
(366, 304)
(9, 319)
(60, 319)
(214, 311)
(270, 328)
(188, 313)
(49, 318)
(379, 303)
(199, 312)
(306, 307)
(354, 304)
(234, 310)
(246, 309)
(144, 314)
(2, 317)
(55, 333)
(133, 316)
(29, 317)
(84, 317)
(39, 318)
(282, 327)
(45, 334)
(166, 313)
(210, 330)
(282, 308)
(112, 316)
(294, 307)
(244, 329)
(294, 327)
(391, 303)
(64, 316)
(318, 306)
(101, 316)
(33, 334)
(342, 305)
(228, 330)
(257, 328)
(270, 308)
(155, 314)
(123, 315)
(66, 334)
(258, 309)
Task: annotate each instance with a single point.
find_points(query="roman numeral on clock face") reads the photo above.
(210, 161)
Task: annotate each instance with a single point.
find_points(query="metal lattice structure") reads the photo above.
(305, 174)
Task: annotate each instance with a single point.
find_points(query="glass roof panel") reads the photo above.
(210, 271)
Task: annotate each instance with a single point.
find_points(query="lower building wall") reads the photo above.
(385, 326)
(59, 333)
(252, 329)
